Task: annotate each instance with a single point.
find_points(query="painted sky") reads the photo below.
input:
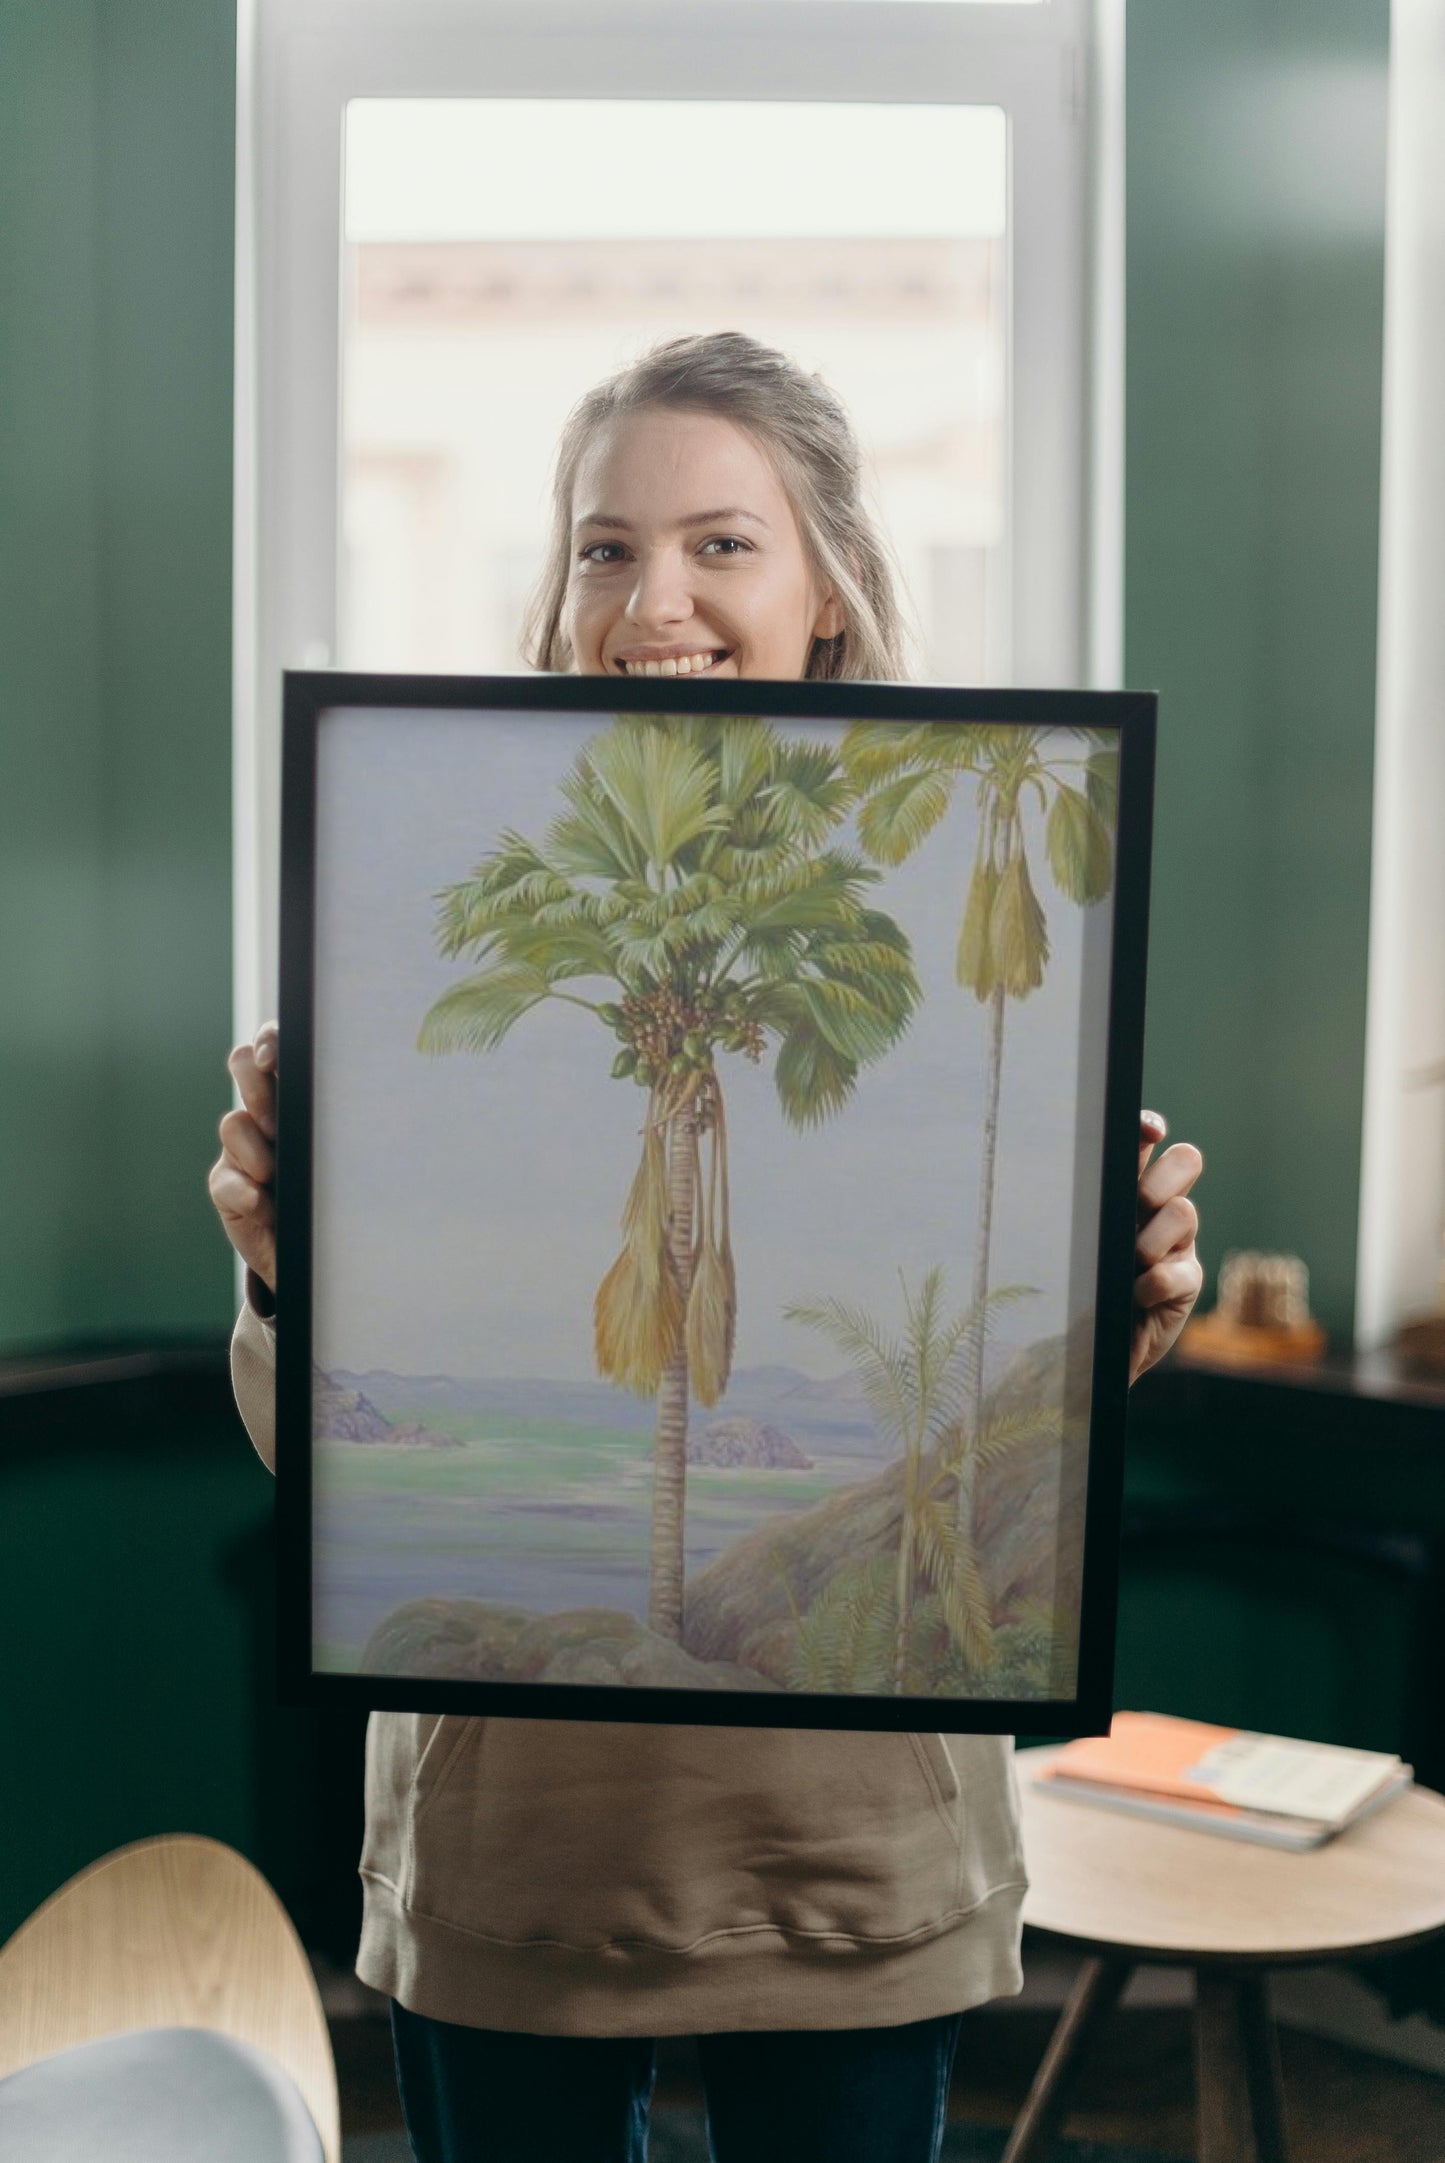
(466, 1207)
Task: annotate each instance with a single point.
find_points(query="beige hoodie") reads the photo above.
(577, 1878)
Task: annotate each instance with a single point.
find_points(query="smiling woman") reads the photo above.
(646, 577)
(676, 592)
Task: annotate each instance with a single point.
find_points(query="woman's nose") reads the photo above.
(661, 595)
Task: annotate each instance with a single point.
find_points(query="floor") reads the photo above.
(1344, 2105)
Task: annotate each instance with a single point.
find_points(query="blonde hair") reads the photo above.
(804, 428)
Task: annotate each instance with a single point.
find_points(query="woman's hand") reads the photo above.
(1168, 1276)
(242, 1175)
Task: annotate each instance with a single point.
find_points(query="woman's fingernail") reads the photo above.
(1156, 1120)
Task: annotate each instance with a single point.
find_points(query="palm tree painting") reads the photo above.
(694, 900)
(918, 1382)
(906, 775)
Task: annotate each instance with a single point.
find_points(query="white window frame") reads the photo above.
(1049, 67)
(1402, 1168)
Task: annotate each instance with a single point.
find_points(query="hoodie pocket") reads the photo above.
(600, 1834)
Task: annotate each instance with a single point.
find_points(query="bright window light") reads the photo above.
(503, 255)
(614, 169)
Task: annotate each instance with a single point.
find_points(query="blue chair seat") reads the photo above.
(156, 2095)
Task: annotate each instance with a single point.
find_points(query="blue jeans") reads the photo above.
(848, 2095)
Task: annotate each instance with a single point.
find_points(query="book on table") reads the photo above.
(1273, 1789)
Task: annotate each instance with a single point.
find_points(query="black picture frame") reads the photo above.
(1127, 717)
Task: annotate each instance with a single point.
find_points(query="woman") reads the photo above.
(543, 1898)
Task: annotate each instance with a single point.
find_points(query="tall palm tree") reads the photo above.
(690, 899)
(906, 774)
(916, 1382)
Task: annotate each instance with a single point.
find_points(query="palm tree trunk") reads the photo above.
(905, 1569)
(987, 1172)
(669, 1449)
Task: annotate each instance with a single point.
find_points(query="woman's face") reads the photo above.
(686, 556)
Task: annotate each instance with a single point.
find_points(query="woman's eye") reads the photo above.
(726, 544)
(602, 552)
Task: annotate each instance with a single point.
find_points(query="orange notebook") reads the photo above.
(1189, 1759)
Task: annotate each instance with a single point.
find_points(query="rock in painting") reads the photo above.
(486, 1641)
(345, 1415)
(753, 1443)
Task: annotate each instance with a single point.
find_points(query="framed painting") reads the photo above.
(708, 1138)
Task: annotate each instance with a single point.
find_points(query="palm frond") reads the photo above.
(1101, 784)
(1080, 851)
(556, 950)
(812, 1076)
(880, 1360)
(476, 1014)
(744, 750)
(638, 1311)
(899, 817)
(877, 752)
(858, 1025)
(807, 793)
(1018, 932)
(659, 783)
(512, 881)
(974, 967)
(593, 840)
(846, 1640)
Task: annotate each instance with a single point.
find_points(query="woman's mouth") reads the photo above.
(679, 664)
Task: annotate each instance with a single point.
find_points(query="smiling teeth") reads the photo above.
(687, 664)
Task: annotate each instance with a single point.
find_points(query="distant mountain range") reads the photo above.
(832, 1414)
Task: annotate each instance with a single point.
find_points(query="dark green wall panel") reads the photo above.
(116, 159)
(131, 1626)
(1255, 264)
(53, 1157)
(167, 131)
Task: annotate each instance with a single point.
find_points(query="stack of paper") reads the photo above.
(1227, 1780)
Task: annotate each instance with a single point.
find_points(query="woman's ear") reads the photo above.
(830, 619)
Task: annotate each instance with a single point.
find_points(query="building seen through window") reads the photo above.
(463, 350)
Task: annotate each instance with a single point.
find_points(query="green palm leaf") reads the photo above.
(894, 821)
(660, 785)
(476, 1014)
(1101, 781)
(593, 840)
(1080, 851)
(745, 753)
(807, 793)
(812, 1077)
(879, 1360)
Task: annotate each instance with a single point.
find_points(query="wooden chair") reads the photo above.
(175, 1932)
(1126, 1890)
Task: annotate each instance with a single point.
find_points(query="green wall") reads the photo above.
(1255, 267)
(116, 156)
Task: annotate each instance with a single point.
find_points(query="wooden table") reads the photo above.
(1125, 1890)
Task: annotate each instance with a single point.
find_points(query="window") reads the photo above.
(503, 255)
(447, 213)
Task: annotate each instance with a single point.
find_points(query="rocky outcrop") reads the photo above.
(345, 1415)
(746, 1442)
(745, 1605)
(485, 1641)
(1029, 1512)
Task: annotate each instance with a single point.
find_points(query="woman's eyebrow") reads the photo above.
(723, 517)
(730, 515)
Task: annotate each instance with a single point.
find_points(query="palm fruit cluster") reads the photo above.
(669, 1032)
